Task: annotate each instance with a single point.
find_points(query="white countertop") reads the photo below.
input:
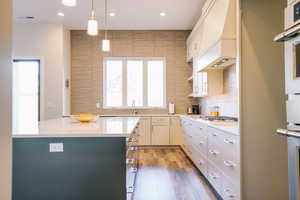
(68, 127)
(229, 127)
(140, 115)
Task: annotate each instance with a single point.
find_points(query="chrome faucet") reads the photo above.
(134, 110)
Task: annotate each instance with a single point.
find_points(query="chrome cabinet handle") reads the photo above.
(229, 163)
(201, 143)
(227, 141)
(215, 177)
(228, 194)
(214, 134)
(213, 152)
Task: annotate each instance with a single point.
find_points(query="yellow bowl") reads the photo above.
(85, 117)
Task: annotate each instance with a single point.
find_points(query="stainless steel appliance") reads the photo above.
(196, 109)
(291, 39)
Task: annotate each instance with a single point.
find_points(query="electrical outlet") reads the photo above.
(56, 147)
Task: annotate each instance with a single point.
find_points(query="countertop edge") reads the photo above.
(213, 126)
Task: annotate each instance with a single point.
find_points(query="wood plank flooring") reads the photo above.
(167, 174)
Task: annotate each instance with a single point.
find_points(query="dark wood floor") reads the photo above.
(167, 174)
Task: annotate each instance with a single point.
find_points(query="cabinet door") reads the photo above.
(200, 83)
(176, 135)
(160, 134)
(204, 84)
(195, 77)
(202, 79)
(145, 131)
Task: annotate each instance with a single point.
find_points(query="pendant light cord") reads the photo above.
(105, 18)
(93, 11)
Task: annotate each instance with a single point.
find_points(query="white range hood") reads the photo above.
(214, 36)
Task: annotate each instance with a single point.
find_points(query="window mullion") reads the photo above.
(124, 89)
(145, 83)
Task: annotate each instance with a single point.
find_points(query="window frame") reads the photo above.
(124, 82)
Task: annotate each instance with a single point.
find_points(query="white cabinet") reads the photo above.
(216, 154)
(213, 38)
(144, 131)
(160, 131)
(208, 82)
(176, 136)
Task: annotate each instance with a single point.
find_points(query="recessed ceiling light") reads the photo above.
(112, 14)
(61, 14)
(70, 3)
(162, 14)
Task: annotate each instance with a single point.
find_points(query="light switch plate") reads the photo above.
(56, 147)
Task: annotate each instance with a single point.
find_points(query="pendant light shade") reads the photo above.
(92, 25)
(105, 45)
(70, 3)
(105, 42)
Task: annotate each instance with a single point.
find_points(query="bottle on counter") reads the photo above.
(215, 111)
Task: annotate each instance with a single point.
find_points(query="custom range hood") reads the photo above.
(215, 35)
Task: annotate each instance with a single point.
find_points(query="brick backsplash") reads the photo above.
(228, 101)
(86, 66)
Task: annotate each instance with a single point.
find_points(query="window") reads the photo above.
(26, 89)
(134, 82)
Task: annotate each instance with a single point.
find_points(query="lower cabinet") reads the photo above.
(160, 131)
(176, 136)
(144, 131)
(216, 155)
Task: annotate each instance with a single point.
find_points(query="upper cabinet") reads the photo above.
(213, 39)
(208, 82)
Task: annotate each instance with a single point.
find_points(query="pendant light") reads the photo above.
(70, 3)
(105, 42)
(92, 23)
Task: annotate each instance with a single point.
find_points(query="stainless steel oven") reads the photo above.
(294, 170)
(291, 38)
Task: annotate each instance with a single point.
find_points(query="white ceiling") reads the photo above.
(130, 14)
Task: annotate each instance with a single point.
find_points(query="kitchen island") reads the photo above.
(64, 159)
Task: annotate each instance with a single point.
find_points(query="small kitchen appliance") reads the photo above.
(195, 109)
(291, 39)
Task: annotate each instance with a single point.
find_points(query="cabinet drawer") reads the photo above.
(202, 165)
(230, 146)
(215, 156)
(215, 177)
(231, 169)
(230, 191)
(160, 121)
(214, 135)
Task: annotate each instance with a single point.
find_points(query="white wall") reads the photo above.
(5, 98)
(50, 43)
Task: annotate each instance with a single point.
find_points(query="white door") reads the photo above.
(26, 94)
